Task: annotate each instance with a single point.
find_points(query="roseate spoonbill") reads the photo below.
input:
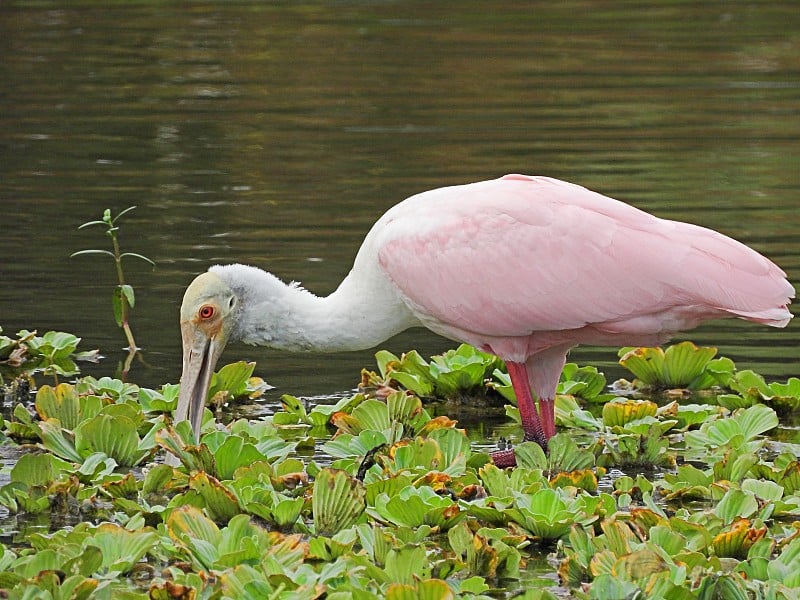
(522, 267)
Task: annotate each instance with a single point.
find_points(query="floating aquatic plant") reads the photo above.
(586, 383)
(34, 479)
(548, 514)
(65, 405)
(622, 411)
(740, 430)
(638, 447)
(408, 508)
(235, 380)
(784, 398)
(338, 501)
(55, 353)
(454, 375)
(485, 552)
(682, 365)
(414, 507)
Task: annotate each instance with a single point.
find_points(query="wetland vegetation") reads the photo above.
(670, 485)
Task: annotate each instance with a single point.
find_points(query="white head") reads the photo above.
(208, 317)
(226, 304)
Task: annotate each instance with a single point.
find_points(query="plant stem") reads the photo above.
(125, 306)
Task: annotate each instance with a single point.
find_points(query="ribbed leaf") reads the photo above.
(684, 363)
(37, 469)
(372, 414)
(738, 539)
(646, 364)
(564, 455)
(407, 564)
(735, 504)
(220, 503)
(115, 436)
(430, 589)
(234, 453)
(338, 501)
(622, 411)
(55, 440)
(640, 565)
(196, 533)
(64, 404)
(120, 548)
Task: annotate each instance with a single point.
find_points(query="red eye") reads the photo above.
(206, 312)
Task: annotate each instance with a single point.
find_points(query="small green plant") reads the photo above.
(682, 365)
(54, 354)
(397, 504)
(124, 298)
(456, 375)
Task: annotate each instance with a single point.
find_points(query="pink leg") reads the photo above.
(542, 370)
(531, 424)
(548, 415)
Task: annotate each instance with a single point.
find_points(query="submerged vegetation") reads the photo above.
(375, 497)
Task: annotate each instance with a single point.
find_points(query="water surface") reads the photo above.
(275, 134)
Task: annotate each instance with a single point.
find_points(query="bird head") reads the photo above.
(208, 316)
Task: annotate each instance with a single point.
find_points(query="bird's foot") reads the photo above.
(504, 458)
(504, 455)
(539, 438)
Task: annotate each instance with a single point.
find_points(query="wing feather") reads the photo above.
(518, 255)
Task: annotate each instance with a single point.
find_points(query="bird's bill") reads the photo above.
(200, 355)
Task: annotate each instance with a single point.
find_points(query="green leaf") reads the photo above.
(54, 439)
(681, 365)
(220, 502)
(116, 436)
(121, 549)
(196, 533)
(59, 403)
(122, 212)
(735, 504)
(564, 454)
(384, 358)
(338, 501)
(127, 291)
(406, 565)
(232, 379)
(117, 300)
(767, 491)
(347, 445)
(544, 513)
(757, 420)
(622, 411)
(608, 587)
(530, 455)
(586, 382)
(744, 425)
(139, 256)
(37, 469)
(84, 252)
(235, 453)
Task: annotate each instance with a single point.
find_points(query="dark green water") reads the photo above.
(275, 134)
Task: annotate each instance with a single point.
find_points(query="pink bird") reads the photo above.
(522, 267)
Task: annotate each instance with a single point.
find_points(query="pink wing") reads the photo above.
(521, 254)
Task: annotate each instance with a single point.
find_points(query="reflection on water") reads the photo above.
(276, 134)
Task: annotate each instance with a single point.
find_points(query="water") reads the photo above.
(275, 134)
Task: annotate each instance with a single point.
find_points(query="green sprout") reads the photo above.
(124, 298)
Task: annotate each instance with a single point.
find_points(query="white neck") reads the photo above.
(361, 313)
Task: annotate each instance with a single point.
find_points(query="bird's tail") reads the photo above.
(776, 317)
